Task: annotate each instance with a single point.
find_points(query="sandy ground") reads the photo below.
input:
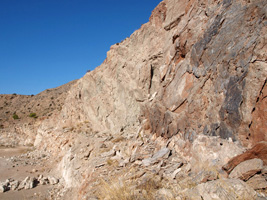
(19, 169)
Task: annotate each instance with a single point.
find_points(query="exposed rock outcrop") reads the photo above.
(258, 151)
(171, 104)
(197, 67)
(191, 69)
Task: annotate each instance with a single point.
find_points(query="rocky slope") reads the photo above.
(171, 111)
(17, 127)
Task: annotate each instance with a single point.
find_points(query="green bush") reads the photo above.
(15, 116)
(33, 115)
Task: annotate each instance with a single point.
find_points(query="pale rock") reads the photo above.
(164, 194)
(108, 153)
(14, 184)
(257, 151)
(43, 180)
(264, 170)
(28, 183)
(53, 180)
(171, 168)
(221, 189)
(163, 153)
(173, 175)
(247, 169)
(124, 162)
(257, 182)
(205, 176)
(40, 177)
(212, 151)
(3, 187)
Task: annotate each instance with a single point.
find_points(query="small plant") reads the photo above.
(33, 115)
(15, 116)
(125, 190)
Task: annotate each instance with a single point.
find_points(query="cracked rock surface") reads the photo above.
(176, 111)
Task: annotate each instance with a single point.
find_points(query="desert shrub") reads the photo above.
(129, 190)
(15, 116)
(33, 115)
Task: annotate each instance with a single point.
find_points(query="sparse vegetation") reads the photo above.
(116, 191)
(33, 115)
(15, 116)
(127, 190)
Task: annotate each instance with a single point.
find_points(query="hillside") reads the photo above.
(176, 111)
(15, 112)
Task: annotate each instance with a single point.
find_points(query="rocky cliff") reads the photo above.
(188, 89)
(195, 67)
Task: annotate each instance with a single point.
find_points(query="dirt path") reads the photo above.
(18, 163)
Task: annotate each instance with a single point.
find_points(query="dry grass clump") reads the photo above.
(130, 190)
(116, 191)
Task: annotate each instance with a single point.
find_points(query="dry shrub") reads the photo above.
(129, 190)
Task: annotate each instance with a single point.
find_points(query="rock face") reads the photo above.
(172, 103)
(191, 69)
(197, 67)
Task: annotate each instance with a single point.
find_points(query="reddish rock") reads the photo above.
(258, 151)
(259, 118)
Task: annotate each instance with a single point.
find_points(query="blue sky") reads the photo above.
(47, 43)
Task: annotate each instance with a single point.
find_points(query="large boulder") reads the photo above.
(257, 182)
(222, 189)
(247, 169)
(258, 151)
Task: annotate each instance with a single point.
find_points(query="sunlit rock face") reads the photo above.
(195, 67)
(190, 83)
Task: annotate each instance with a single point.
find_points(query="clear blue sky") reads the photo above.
(47, 43)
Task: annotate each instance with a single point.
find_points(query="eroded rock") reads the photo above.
(3, 187)
(163, 153)
(247, 169)
(258, 151)
(222, 189)
(257, 182)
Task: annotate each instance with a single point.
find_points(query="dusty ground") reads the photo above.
(20, 162)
